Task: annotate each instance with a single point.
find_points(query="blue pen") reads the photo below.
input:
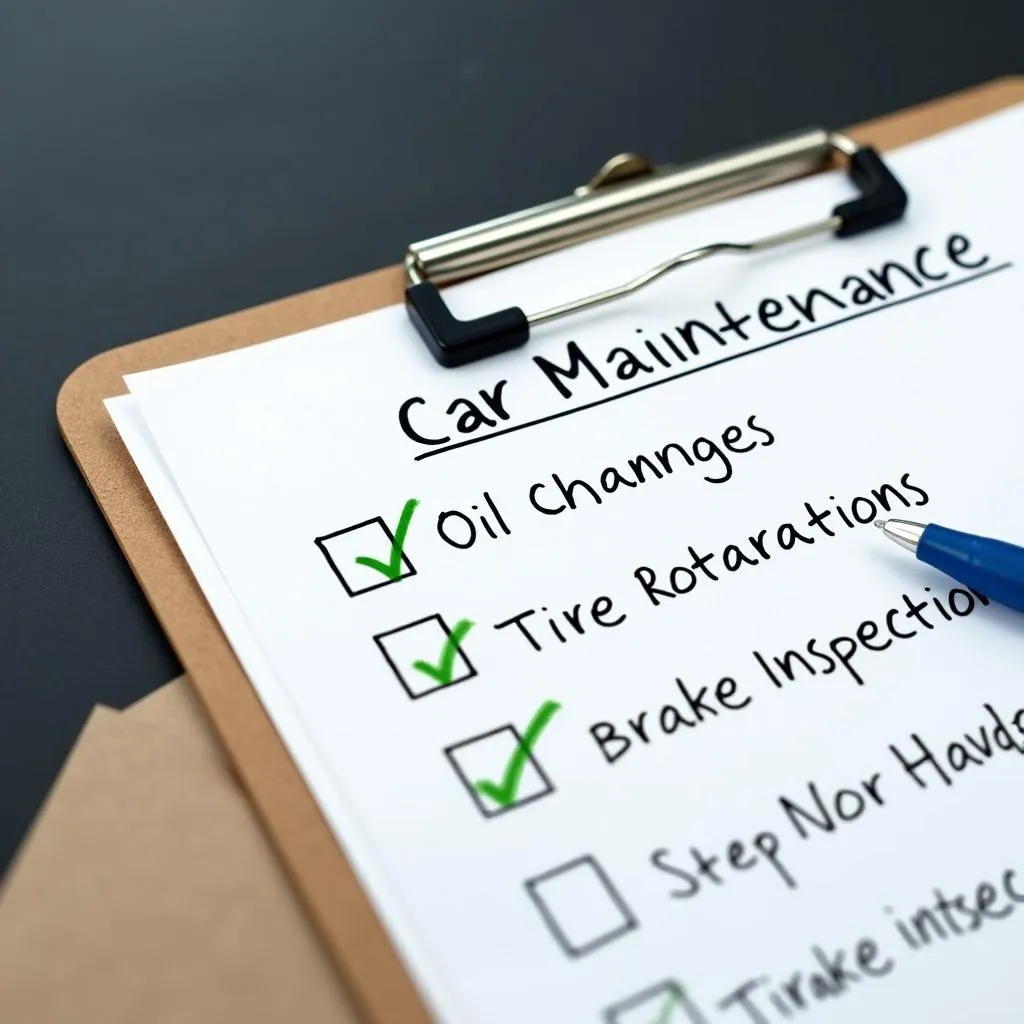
(991, 567)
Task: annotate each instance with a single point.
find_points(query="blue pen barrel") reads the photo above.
(992, 567)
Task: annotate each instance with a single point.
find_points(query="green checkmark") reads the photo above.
(665, 1014)
(393, 567)
(443, 670)
(504, 793)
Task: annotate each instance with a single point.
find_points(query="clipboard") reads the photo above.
(327, 884)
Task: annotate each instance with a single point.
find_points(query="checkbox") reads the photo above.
(664, 1003)
(580, 906)
(372, 538)
(425, 640)
(487, 757)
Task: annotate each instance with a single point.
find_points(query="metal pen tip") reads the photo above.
(902, 532)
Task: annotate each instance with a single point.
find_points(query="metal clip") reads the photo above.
(626, 191)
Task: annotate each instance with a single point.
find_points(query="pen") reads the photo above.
(990, 567)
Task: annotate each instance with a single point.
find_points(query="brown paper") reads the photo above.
(147, 891)
(323, 876)
(174, 708)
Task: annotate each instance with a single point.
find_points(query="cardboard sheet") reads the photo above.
(174, 709)
(147, 890)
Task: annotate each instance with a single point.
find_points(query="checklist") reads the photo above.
(590, 654)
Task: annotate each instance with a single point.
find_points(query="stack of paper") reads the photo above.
(590, 653)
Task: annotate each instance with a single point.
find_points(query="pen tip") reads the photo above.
(904, 533)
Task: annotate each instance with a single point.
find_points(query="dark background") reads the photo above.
(163, 163)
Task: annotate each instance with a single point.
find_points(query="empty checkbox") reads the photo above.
(372, 540)
(498, 772)
(580, 906)
(427, 656)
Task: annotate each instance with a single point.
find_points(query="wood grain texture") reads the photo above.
(326, 882)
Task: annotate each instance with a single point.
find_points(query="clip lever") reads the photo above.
(628, 191)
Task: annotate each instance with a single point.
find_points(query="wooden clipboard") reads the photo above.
(354, 935)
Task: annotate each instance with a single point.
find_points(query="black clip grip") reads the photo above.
(455, 342)
(882, 199)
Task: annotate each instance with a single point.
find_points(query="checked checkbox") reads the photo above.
(369, 555)
(427, 656)
(499, 769)
(665, 1003)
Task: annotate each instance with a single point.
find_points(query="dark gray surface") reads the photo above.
(165, 163)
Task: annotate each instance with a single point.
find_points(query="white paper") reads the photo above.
(584, 900)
